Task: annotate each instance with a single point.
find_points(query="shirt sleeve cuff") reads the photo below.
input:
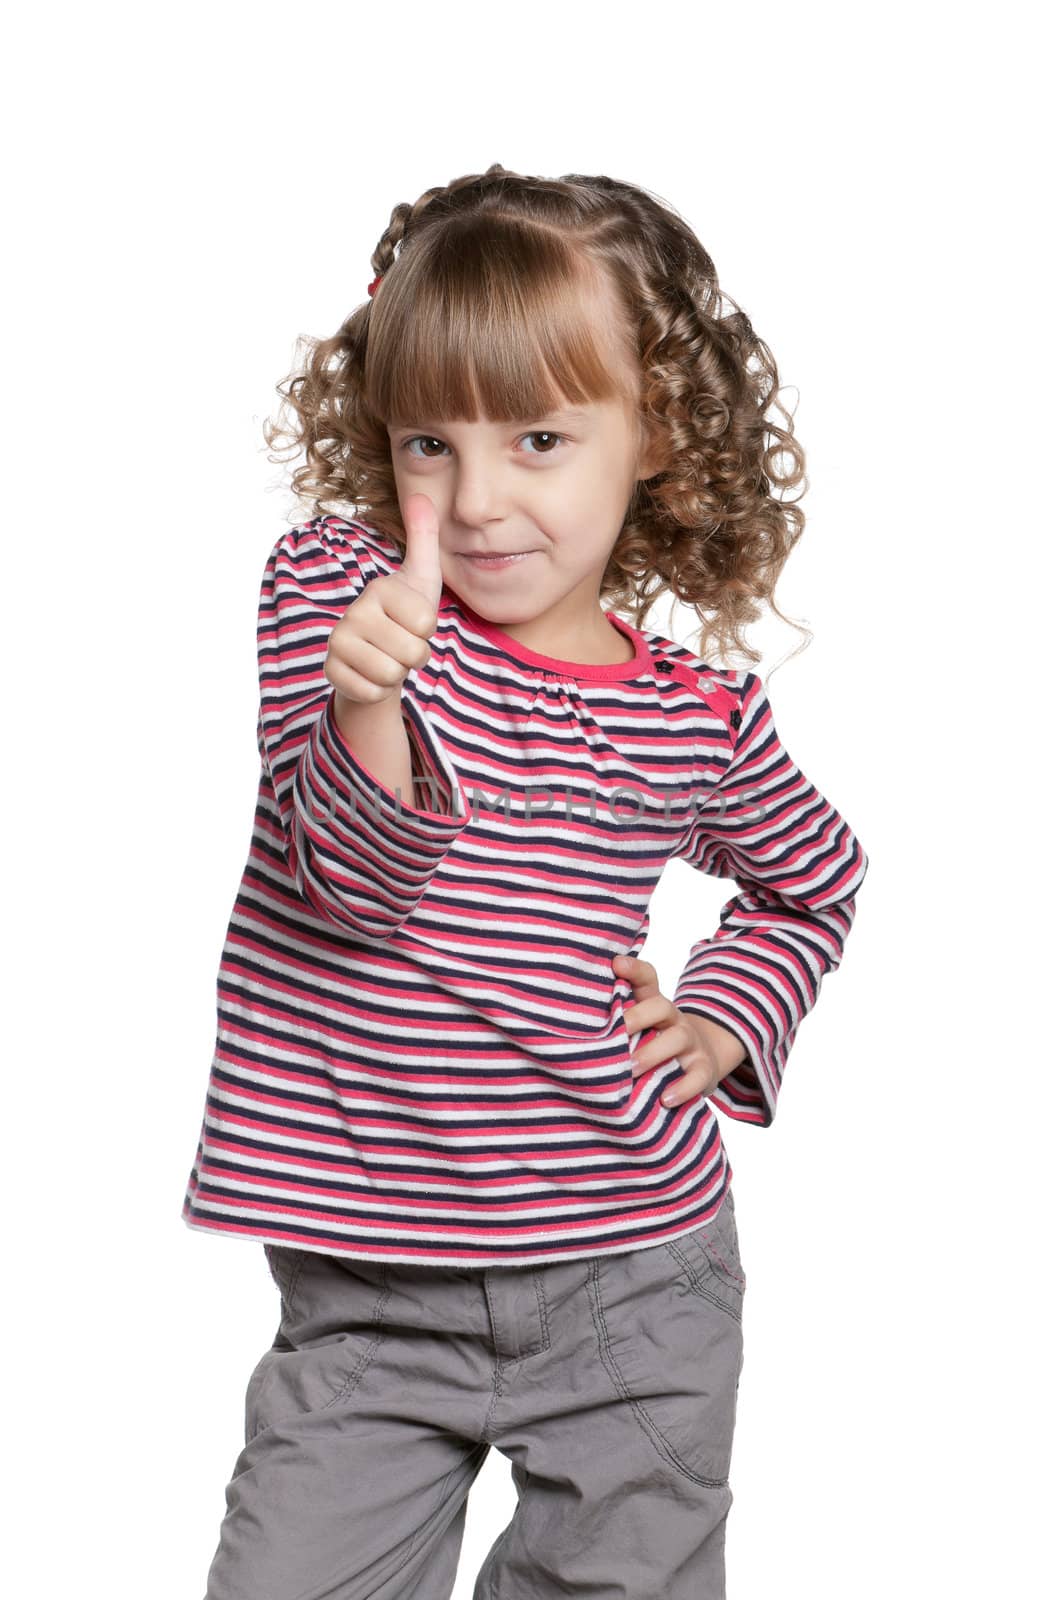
(442, 788)
(750, 1091)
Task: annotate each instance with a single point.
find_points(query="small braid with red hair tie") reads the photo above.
(375, 285)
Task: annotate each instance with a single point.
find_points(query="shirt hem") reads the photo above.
(263, 1236)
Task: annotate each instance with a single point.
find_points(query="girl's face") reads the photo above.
(554, 490)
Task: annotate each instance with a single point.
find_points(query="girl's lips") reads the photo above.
(489, 563)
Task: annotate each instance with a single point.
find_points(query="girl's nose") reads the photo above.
(477, 509)
(478, 495)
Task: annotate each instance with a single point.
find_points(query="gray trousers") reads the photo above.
(610, 1382)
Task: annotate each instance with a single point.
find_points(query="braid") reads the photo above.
(405, 218)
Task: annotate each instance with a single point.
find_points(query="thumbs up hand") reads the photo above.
(385, 632)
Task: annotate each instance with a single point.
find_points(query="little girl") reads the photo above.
(476, 1141)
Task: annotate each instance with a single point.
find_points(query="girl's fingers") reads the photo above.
(688, 1087)
(665, 1044)
(388, 657)
(347, 681)
(673, 1038)
(675, 1041)
(654, 1011)
(642, 975)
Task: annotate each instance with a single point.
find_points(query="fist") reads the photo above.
(385, 632)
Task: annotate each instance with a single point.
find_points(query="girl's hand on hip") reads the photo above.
(706, 1050)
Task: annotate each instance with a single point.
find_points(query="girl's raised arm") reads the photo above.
(361, 855)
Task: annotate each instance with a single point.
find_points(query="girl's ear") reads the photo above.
(655, 454)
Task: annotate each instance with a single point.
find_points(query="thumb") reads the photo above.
(421, 568)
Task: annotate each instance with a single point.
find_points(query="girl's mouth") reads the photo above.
(489, 563)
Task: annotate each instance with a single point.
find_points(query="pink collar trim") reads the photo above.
(613, 671)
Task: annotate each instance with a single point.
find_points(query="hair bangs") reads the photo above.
(491, 322)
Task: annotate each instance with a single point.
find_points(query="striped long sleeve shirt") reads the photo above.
(421, 1049)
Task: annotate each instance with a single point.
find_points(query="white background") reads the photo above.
(190, 190)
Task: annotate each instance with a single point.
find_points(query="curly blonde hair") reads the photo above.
(477, 314)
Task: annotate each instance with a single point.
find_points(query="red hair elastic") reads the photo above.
(375, 284)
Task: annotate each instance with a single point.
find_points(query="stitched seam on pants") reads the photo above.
(500, 1360)
(701, 1287)
(642, 1416)
(347, 1387)
(544, 1342)
(496, 1395)
(357, 1373)
(296, 1274)
(540, 1290)
(723, 1268)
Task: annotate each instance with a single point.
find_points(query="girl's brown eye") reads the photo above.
(417, 440)
(541, 434)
